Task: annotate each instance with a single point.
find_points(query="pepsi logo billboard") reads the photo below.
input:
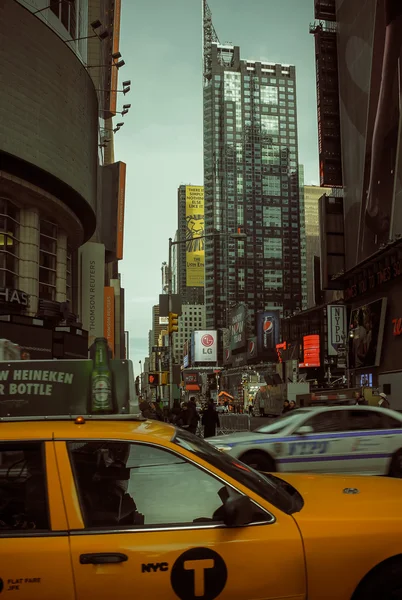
(205, 346)
(252, 348)
(268, 331)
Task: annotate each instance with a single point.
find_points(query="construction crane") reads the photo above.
(208, 38)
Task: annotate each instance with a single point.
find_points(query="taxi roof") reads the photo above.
(91, 429)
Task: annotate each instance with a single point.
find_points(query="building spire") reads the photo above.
(209, 37)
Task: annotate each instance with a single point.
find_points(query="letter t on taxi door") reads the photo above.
(199, 566)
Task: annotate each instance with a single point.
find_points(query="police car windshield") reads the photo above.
(283, 422)
(276, 491)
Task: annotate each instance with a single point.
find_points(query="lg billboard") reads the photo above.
(205, 346)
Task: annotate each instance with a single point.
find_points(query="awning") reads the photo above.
(226, 395)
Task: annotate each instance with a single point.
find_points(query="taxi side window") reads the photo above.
(328, 421)
(139, 485)
(23, 495)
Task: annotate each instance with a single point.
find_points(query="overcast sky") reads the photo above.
(161, 141)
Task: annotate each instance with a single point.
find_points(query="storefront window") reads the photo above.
(9, 243)
(47, 260)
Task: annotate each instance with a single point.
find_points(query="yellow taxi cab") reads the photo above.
(110, 505)
(118, 507)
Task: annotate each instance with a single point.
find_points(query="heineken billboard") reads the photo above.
(67, 387)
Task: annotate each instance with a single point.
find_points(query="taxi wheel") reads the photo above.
(259, 461)
(384, 582)
(395, 469)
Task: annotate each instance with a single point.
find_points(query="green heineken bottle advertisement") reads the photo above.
(102, 384)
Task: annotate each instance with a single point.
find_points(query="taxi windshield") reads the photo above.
(283, 422)
(272, 489)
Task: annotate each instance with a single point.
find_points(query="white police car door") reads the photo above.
(323, 449)
(371, 441)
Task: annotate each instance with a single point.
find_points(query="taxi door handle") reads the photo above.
(103, 558)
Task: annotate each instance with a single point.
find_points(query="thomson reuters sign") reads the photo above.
(205, 346)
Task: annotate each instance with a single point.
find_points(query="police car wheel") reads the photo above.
(395, 469)
(383, 582)
(259, 461)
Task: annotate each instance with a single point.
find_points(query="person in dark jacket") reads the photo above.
(360, 399)
(192, 416)
(210, 420)
(146, 410)
(286, 407)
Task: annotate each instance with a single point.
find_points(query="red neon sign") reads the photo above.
(311, 351)
(397, 326)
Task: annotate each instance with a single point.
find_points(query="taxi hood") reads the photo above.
(341, 496)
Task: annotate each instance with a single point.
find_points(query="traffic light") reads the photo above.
(173, 322)
(153, 379)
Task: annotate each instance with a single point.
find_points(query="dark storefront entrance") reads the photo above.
(373, 295)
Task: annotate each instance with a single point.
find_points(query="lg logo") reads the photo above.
(199, 573)
(207, 340)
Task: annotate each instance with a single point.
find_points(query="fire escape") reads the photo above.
(329, 130)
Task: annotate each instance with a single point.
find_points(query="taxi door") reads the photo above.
(34, 545)
(174, 546)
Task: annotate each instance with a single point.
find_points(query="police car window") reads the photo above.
(138, 485)
(390, 422)
(23, 496)
(360, 420)
(328, 421)
(284, 421)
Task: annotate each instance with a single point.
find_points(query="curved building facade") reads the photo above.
(51, 119)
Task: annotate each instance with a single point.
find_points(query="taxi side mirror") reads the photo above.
(238, 511)
(305, 430)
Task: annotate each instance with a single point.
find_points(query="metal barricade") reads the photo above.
(233, 423)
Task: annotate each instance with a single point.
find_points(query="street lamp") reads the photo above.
(234, 236)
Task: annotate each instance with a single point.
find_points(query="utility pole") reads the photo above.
(170, 291)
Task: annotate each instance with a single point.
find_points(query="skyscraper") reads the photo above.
(312, 194)
(251, 183)
(190, 256)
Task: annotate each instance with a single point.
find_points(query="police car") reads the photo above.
(341, 439)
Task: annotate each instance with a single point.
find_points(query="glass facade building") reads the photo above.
(251, 179)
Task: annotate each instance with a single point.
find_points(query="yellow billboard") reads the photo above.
(195, 252)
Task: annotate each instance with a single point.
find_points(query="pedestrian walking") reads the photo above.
(192, 416)
(383, 401)
(210, 420)
(147, 411)
(360, 399)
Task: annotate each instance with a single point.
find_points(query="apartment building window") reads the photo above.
(9, 243)
(269, 94)
(67, 13)
(47, 260)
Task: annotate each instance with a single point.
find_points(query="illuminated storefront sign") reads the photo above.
(311, 351)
